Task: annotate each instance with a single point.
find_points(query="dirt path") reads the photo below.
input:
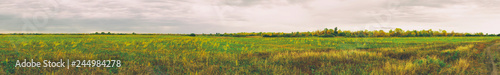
(488, 52)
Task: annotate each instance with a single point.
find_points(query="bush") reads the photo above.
(327, 35)
(270, 36)
(192, 34)
(239, 35)
(266, 36)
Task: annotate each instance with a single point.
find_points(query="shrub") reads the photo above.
(266, 36)
(239, 35)
(327, 35)
(192, 34)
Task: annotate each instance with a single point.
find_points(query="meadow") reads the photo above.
(175, 54)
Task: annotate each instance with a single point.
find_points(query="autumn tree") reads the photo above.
(444, 33)
(391, 33)
(382, 33)
(398, 32)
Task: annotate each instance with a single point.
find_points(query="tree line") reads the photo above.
(398, 32)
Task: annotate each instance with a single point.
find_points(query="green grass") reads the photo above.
(164, 54)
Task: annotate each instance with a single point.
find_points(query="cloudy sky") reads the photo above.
(211, 16)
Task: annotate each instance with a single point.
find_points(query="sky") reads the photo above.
(220, 16)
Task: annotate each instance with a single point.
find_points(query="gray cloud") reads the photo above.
(187, 16)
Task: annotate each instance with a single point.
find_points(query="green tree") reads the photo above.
(412, 34)
(335, 32)
(468, 34)
(361, 34)
(479, 34)
(325, 31)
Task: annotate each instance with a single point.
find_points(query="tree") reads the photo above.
(412, 34)
(416, 33)
(297, 34)
(430, 32)
(96, 32)
(325, 31)
(347, 33)
(436, 33)
(340, 33)
(330, 31)
(479, 34)
(360, 34)
(498, 35)
(217, 34)
(382, 33)
(109, 33)
(103, 33)
(133, 33)
(391, 33)
(424, 33)
(492, 35)
(398, 32)
(468, 34)
(452, 33)
(444, 33)
(335, 32)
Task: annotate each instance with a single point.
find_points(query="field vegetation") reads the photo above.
(165, 54)
(203, 54)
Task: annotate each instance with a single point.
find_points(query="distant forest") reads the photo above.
(398, 32)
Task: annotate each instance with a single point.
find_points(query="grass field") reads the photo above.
(167, 54)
